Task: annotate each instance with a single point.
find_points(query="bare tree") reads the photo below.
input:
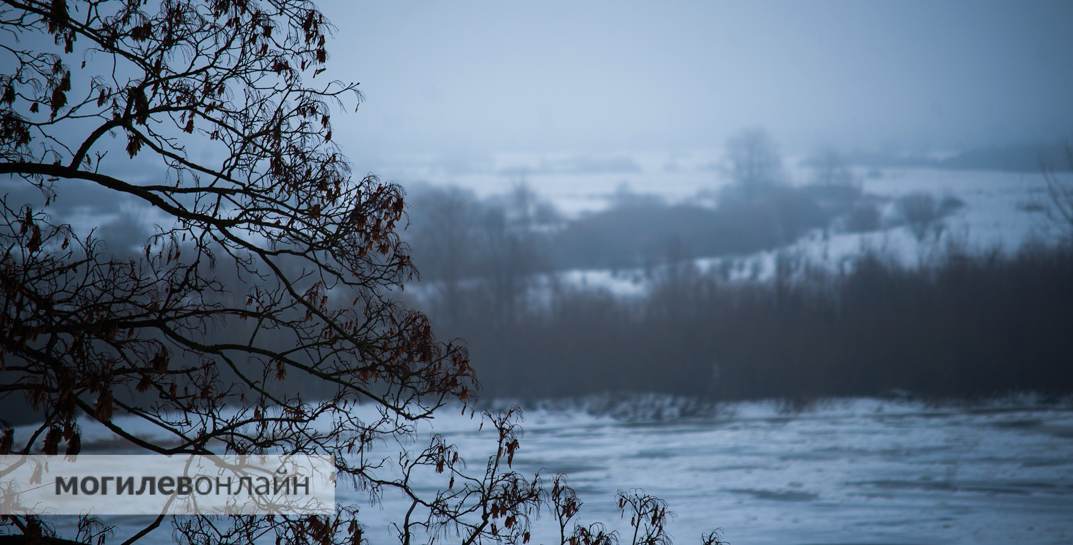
(446, 240)
(921, 213)
(315, 252)
(1060, 192)
(754, 161)
(830, 170)
(270, 273)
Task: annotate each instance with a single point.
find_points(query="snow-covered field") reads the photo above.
(1001, 210)
(998, 201)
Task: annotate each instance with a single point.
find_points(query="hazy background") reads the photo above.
(460, 81)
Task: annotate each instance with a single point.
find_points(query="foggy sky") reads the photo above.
(481, 77)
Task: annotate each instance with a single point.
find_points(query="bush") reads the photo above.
(920, 212)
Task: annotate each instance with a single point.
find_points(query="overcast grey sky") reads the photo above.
(478, 77)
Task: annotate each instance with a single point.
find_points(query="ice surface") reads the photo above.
(852, 471)
(857, 471)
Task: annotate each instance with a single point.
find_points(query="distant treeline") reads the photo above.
(490, 268)
(1030, 158)
(955, 323)
(456, 235)
(962, 325)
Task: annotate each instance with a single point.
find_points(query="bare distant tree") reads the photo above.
(829, 170)
(754, 161)
(529, 211)
(446, 240)
(468, 246)
(1060, 192)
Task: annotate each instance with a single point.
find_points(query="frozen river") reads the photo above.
(851, 472)
(845, 472)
